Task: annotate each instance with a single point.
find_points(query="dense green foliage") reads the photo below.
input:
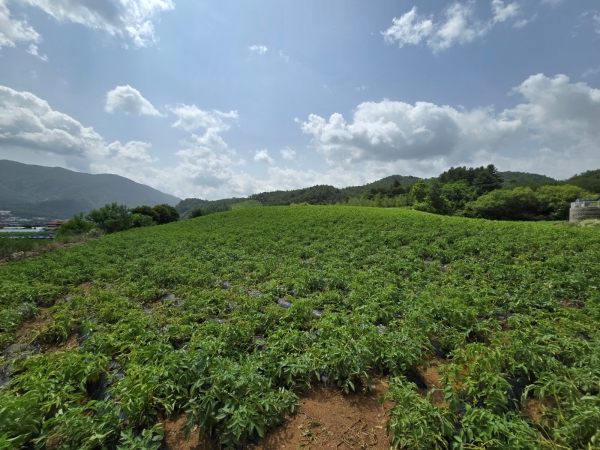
(590, 180)
(159, 214)
(113, 217)
(316, 195)
(365, 291)
(36, 191)
(77, 225)
(483, 179)
(204, 207)
(165, 214)
(460, 191)
(524, 179)
(522, 203)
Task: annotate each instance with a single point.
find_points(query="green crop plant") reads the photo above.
(229, 317)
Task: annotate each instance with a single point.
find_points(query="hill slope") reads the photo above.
(589, 180)
(315, 195)
(526, 178)
(30, 190)
(266, 301)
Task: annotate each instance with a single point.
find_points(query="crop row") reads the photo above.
(228, 318)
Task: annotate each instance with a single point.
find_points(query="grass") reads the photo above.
(515, 306)
(9, 247)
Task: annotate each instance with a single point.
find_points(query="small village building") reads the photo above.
(54, 224)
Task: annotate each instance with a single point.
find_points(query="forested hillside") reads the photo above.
(30, 190)
(472, 192)
(589, 180)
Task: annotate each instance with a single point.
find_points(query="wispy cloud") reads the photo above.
(591, 72)
(285, 57)
(33, 50)
(260, 49)
(459, 25)
(288, 154)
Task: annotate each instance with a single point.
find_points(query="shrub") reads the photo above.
(75, 226)
(111, 218)
(165, 214)
(555, 201)
(141, 220)
(518, 204)
(146, 211)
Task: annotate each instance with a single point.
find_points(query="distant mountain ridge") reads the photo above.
(326, 194)
(315, 195)
(36, 191)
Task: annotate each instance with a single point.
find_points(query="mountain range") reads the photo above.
(36, 191)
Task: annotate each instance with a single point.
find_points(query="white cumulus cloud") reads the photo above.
(556, 117)
(460, 25)
(28, 123)
(133, 19)
(129, 101)
(262, 156)
(190, 118)
(13, 31)
(260, 49)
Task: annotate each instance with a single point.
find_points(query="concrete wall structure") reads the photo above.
(579, 214)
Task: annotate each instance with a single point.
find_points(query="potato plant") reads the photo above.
(228, 318)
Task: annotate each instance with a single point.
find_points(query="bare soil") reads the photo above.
(175, 438)
(433, 380)
(70, 344)
(534, 409)
(328, 419)
(29, 329)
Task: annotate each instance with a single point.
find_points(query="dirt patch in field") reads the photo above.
(30, 328)
(175, 437)
(70, 344)
(433, 380)
(328, 419)
(534, 409)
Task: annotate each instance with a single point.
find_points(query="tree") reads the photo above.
(75, 226)
(146, 211)
(487, 180)
(419, 191)
(196, 213)
(503, 204)
(141, 220)
(111, 218)
(166, 214)
(435, 199)
(555, 201)
(458, 194)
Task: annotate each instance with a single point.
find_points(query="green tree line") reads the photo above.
(114, 217)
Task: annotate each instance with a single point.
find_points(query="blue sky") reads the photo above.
(214, 99)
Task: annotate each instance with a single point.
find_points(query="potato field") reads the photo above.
(230, 318)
